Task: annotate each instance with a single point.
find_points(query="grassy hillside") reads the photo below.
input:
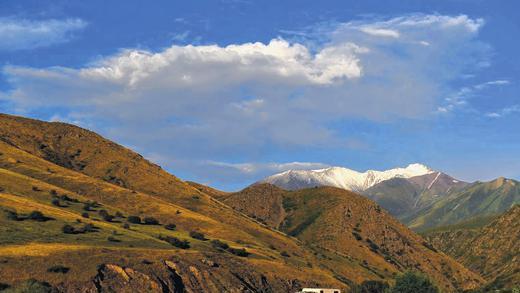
(492, 250)
(353, 228)
(481, 199)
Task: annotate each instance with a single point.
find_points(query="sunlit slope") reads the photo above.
(351, 226)
(493, 250)
(30, 184)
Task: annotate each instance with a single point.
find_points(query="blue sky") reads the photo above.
(227, 92)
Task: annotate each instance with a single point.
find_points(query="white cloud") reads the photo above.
(19, 34)
(380, 32)
(504, 112)
(268, 168)
(209, 102)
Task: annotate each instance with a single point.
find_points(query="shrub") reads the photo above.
(38, 216)
(197, 235)
(151, 221)
(170, 227)
(126, 226)
(36, 188)
(285, 254)
(3, 286)
(68, 229)
(183, 244)
(410, 282)
(108, 217)
(13, 216)
(56, 202)
(238, 251)
(87, 228)
(119, 215)
(32, 286)
(134, 219)
(371, 287)
(58, 269)
(113, 239)
(85, 215)
(219, 245)
(53, 192)
(67, 198)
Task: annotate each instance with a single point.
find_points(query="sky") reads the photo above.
(227, 92)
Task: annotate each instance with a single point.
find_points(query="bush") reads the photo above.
(38, 216)
(58, 269)
(88, 228)
(371, 287)
(3, 286)
(285, 254)
(32, 286)
(242, 252)
(357, 236)
(67, 198)
(119, 215)
(53, 192)
(36, 188)
(134, 219)
(126, 226)
(197, 235)
(184, 244)
(113, 239)
(13, 216)
(56, 202)
(410, 282)
(219, 245)
(170, 227)
(85, 215)
(68, 229)
(108, 217)
(151, 221)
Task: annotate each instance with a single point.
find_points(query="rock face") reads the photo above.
(493, 250)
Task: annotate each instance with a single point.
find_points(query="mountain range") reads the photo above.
(80, 213)
(417, 195)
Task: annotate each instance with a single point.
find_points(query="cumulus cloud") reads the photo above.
(19, 34)
(504, 112)
(209, 102)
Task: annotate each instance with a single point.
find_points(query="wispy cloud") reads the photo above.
(504, 112)
(460, 99)
(19, 34)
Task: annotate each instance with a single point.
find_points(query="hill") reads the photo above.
(352, 227)
(405, 196)
(480, 199)
(492, 250)
(68, 206)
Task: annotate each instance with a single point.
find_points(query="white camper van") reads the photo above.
(319, 290)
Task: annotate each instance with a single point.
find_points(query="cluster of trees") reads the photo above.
(409, 282)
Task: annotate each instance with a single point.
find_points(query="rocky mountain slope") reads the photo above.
(354, 229)
(342, 177)
(478, 199)
(493, 250)
(405, 196)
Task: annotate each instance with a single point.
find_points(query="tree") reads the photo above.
(411, 282)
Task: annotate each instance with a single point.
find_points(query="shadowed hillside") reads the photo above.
(493, 250)
(350, 226)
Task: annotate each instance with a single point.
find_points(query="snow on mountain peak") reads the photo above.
(343, 177)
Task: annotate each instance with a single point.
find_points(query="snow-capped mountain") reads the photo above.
(342, 177)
